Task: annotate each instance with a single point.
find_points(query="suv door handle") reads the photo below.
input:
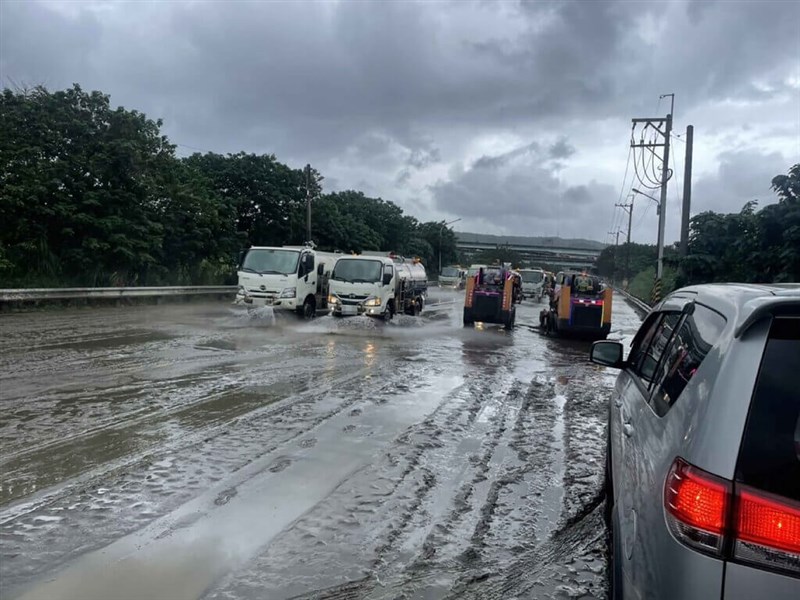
(627, 429)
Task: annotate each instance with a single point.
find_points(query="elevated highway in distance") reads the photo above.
(557, 253)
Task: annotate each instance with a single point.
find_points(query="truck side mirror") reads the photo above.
(242, 254)
(387, 279)
(320, 269)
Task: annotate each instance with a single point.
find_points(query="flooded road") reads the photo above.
(197, 451)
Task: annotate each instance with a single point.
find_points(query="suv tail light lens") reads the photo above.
(767, 530)
(703, 511)
(697, 504)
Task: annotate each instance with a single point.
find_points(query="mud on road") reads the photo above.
(204, 452)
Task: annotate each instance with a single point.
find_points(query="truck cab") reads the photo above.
(532, 283)
(376, 286)
(453, 276)
(287, 278)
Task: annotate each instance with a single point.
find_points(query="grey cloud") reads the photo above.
(39, 45)
(420, 158)
(500, 160)
(742, 176)
(521, 191)
(561, 149)
(385, 92)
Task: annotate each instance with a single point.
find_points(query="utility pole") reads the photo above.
(628, 208)
(662, 215)
(687, 192)
(616, 248)
(656, 123)
(308, 203)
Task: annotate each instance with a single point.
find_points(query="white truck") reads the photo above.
(532, 283)
(453, 276)
(377, 286)
(290, 278)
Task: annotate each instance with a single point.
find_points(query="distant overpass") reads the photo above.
(558, 254)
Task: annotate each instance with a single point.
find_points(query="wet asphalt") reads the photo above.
(201, 451)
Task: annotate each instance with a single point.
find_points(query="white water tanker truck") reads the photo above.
(377, 285)
(288, 278)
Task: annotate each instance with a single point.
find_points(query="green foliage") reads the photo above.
(641, 285)
(79, 183)
(91, 195)
(749, 246)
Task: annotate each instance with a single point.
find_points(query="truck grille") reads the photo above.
(586, 316)
(356, 299)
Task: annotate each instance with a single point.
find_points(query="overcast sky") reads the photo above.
(513, 116)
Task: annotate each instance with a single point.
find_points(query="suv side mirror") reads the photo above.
(608, 354)
(387, 279)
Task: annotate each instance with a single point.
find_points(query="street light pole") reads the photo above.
(441, 230)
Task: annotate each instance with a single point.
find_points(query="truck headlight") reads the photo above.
(372, 301)
(333, 299)
(288, 292)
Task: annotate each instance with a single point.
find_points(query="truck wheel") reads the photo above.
(389, 313)
(308, 310)
(512, 315)
(468, 319)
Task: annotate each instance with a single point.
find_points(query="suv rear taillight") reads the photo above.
(704, 511)
(697, 505)
(767, 529)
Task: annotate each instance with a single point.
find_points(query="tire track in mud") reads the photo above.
(110, 503)
(520, 542)
(385, 504)
(409, 513)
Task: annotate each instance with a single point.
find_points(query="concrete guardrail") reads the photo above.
(43, 295)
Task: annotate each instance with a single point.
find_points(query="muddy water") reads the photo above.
(204, 452)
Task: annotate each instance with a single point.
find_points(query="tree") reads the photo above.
(78, 185)
(268, 197)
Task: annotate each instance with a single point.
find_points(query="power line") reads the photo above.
(615, 215)
(193, 148)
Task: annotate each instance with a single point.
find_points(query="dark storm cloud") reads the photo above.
(392, 93)
(742, 176)
(521, 188)
(561, 149)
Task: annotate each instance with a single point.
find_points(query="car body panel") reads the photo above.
(704, 426)
(743, 582)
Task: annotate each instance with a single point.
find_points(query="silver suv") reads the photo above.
(704, 447)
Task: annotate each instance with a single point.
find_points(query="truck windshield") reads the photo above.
(271, 260)
(449, 272)
(473, 270)
(532, 276)
(357, 271)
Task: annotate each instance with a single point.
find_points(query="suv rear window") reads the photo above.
(769, 458)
